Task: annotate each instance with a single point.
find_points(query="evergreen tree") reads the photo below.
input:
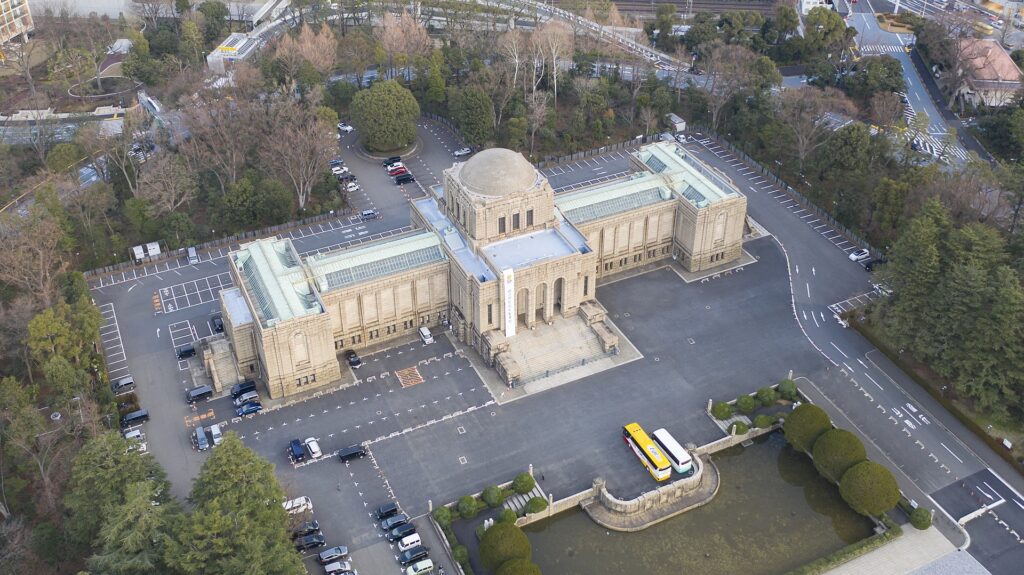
(913, 275)
(132, 537)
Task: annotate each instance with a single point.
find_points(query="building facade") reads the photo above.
(494, 251)
(991, 77)
(15, 20)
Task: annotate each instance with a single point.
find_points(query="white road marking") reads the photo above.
(839, 350)
(951, 452)
(873, 381)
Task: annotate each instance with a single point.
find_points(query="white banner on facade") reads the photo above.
(509, 281)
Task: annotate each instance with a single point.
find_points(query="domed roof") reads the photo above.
(497, 172)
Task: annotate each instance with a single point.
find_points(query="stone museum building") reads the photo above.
(494, 251)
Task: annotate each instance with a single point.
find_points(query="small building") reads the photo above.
(15, 20)
(676, 123)
(990, 75)
(237, 47)
(807, 5)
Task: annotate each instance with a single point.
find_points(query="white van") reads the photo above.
(215, 434)
(409, 541)
(420, 567)
(193, 256)
(298, 505)
(425, 336)
(246, 398)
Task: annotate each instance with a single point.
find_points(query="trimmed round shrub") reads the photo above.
(767, 396)
(804, 425)
(507, 516)
(746, 404)
(493, 496)
(721, 411)
(836, 451)
(443, 516)
(460, 553)
(523, 483)
(536, 505)
(467, 507)
(764, 421)
(787, 389)
(518, 567)
(503, 542)
(921, 518)
(869, 488)
(738, 428)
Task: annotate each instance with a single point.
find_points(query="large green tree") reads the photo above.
(873, 74)
(238, 523)
(386, 116)
(869, 488)
(99, 483)
(474, 112)
(836, 451)
(501, 543)
(132, 537)
(804, 425)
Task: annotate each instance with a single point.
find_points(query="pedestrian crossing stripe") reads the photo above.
(884, 48)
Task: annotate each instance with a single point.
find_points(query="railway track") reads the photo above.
(647, 8)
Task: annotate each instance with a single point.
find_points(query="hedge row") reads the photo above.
(851, 551)
(747, 404)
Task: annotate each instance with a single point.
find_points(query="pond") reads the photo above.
(772, 514)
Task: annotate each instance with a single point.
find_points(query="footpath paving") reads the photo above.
(921, 552)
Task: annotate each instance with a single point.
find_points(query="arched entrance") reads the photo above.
(523, 306)
(540, 301)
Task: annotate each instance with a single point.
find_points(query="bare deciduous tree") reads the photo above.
(537, 113)
(557, 43)
(803, 112)
(729, 72)
(31, 258)
(648, 117)
(886, 109)
(220, 137)
(300, 145)
(167, 184)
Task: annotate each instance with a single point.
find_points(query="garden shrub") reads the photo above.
(536, 505)
(523, 483)
(503, 542)
(836, 451)
(507, 516)
(518, 567)
(468, 507)
(921, 518)
(746, 404)
(460, 553)
(803, 426)
(767, 396)
(443, 516)
(787, 389)
(764, 421)
(47, 542)
(721, 411)
(493, 496)
(738, 428)
(869, 488)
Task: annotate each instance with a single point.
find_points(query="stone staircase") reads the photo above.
(565, 343)
(518, 502)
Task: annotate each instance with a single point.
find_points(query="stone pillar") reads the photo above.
(549, 301)
(531, 307)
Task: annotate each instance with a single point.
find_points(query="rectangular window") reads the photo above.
(501, 225)
(515, 221)
(586, 284)
(529, 218)
(356, 339)
(374, 333)
(490, 313)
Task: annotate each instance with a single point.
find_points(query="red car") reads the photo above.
(398, 171)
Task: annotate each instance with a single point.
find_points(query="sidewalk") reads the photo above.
(906, 554)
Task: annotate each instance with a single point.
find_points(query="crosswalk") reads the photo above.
(933, 145)
(869, 49)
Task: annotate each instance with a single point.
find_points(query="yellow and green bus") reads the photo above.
(647, 451)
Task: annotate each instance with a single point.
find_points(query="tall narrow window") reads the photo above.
(529, 218)
(501, 225)
(490, 313)
(586, 284)
(515, 221)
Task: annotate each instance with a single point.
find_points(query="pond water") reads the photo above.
(773, 513)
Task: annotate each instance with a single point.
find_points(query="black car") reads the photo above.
(386, 510)
(333, 554)
(353, 358)
(391, 160)
(870, 264)
(307, 542)
(404, 179)
(244, 387)
(392, 522)
(306, 528)
(401, 532)
(218, 323)
(413, 555)
(296, 451)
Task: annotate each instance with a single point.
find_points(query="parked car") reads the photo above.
(296, 451)
(338, 568)
(391, 160)
(352, 187)
(215, 434)
(218, 323)
(400, 532)
(199, 440)
(387, 510)
(858, 255)
(306, 528)
(351, 452)
(247, 397)
(869, 265)
(462, 152)
(392, 522)
(343, 127)
(333, 554)
(404, 179)
(413, 555)
(244, 387)
(339, 170)
(310, 542)
(409, 541)
(420, 567)
(353, 359)
(248, 409)
(367, 215)
(313, 446)
(298, 505)
(336, 162)
(397, 171)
